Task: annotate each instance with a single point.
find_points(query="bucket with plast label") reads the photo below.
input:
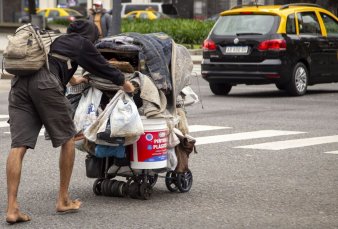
(150, 151)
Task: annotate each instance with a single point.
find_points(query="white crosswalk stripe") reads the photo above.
(241, 136)
(197, 128)
(295, 143)
(4, 124)
(332, 152)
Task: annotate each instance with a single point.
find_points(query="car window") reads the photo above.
(135, 7)
(42, 13)
(144, 15)
(72, 12)
(235, 24)
(54, 13)
(331, 24)
(291, 24)
(308, 23)
(131, 16)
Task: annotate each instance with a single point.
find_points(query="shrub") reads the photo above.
(183, 31)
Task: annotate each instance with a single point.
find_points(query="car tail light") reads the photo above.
(209, 45)
(275, 45)
(71, 18)
(272, 76)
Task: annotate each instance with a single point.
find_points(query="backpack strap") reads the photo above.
(64, 58)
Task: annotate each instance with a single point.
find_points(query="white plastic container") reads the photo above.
(150, 151)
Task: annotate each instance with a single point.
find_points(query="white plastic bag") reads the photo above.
(87, 110)
(125, 120)
(190, 97)
(172, 159)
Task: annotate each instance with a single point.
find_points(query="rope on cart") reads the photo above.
(199, 89)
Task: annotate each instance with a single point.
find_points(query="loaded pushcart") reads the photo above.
(139, 136)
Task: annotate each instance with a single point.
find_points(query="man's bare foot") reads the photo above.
(17, 217)
(68, 206)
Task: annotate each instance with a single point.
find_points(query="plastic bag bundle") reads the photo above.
(87, 110)
(125, 120)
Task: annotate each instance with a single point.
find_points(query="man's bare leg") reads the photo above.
(67, 156)
(13, 170)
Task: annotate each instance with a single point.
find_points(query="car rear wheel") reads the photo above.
(299, 80)
(220, 88)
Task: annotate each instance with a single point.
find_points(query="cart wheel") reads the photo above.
(110, 185)
(134, 190)
(145, 191)
(152, 180)
(104, 187)
(115, 189)
(170, 181)
(122, 191)
(184, 181)
(97, 186)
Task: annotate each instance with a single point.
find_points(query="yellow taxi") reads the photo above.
(145, 14)
(52, 14)
(292, 46)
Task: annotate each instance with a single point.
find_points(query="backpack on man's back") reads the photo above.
(27, 50)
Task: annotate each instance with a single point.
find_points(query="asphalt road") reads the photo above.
(290, 182)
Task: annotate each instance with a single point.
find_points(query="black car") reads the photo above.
(292, 46)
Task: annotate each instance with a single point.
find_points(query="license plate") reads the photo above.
(236, 49)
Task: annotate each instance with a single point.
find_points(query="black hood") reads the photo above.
(85, 28)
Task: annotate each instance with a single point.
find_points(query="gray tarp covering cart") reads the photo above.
(160, 70)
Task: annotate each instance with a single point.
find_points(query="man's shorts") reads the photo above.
(38, 100)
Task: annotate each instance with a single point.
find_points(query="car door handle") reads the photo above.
(307, 43)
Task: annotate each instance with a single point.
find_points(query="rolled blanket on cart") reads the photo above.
(154, 100)
(181, 67)
(103, 84)
(155, 49)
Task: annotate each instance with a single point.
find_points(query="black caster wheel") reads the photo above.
(122, 189)
(104, 187)
(152, 180)
(110, 185)
(184, 181)
(134, 190)
(170, 181)
(115, 189)
(145, 191)
(97, 186)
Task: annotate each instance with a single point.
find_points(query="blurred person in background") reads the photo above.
(102, 19)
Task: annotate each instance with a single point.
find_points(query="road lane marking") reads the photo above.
(243, 136)
(4, 116)
(332, 152)
(4, 124)
(295, 143)
(196, 128)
